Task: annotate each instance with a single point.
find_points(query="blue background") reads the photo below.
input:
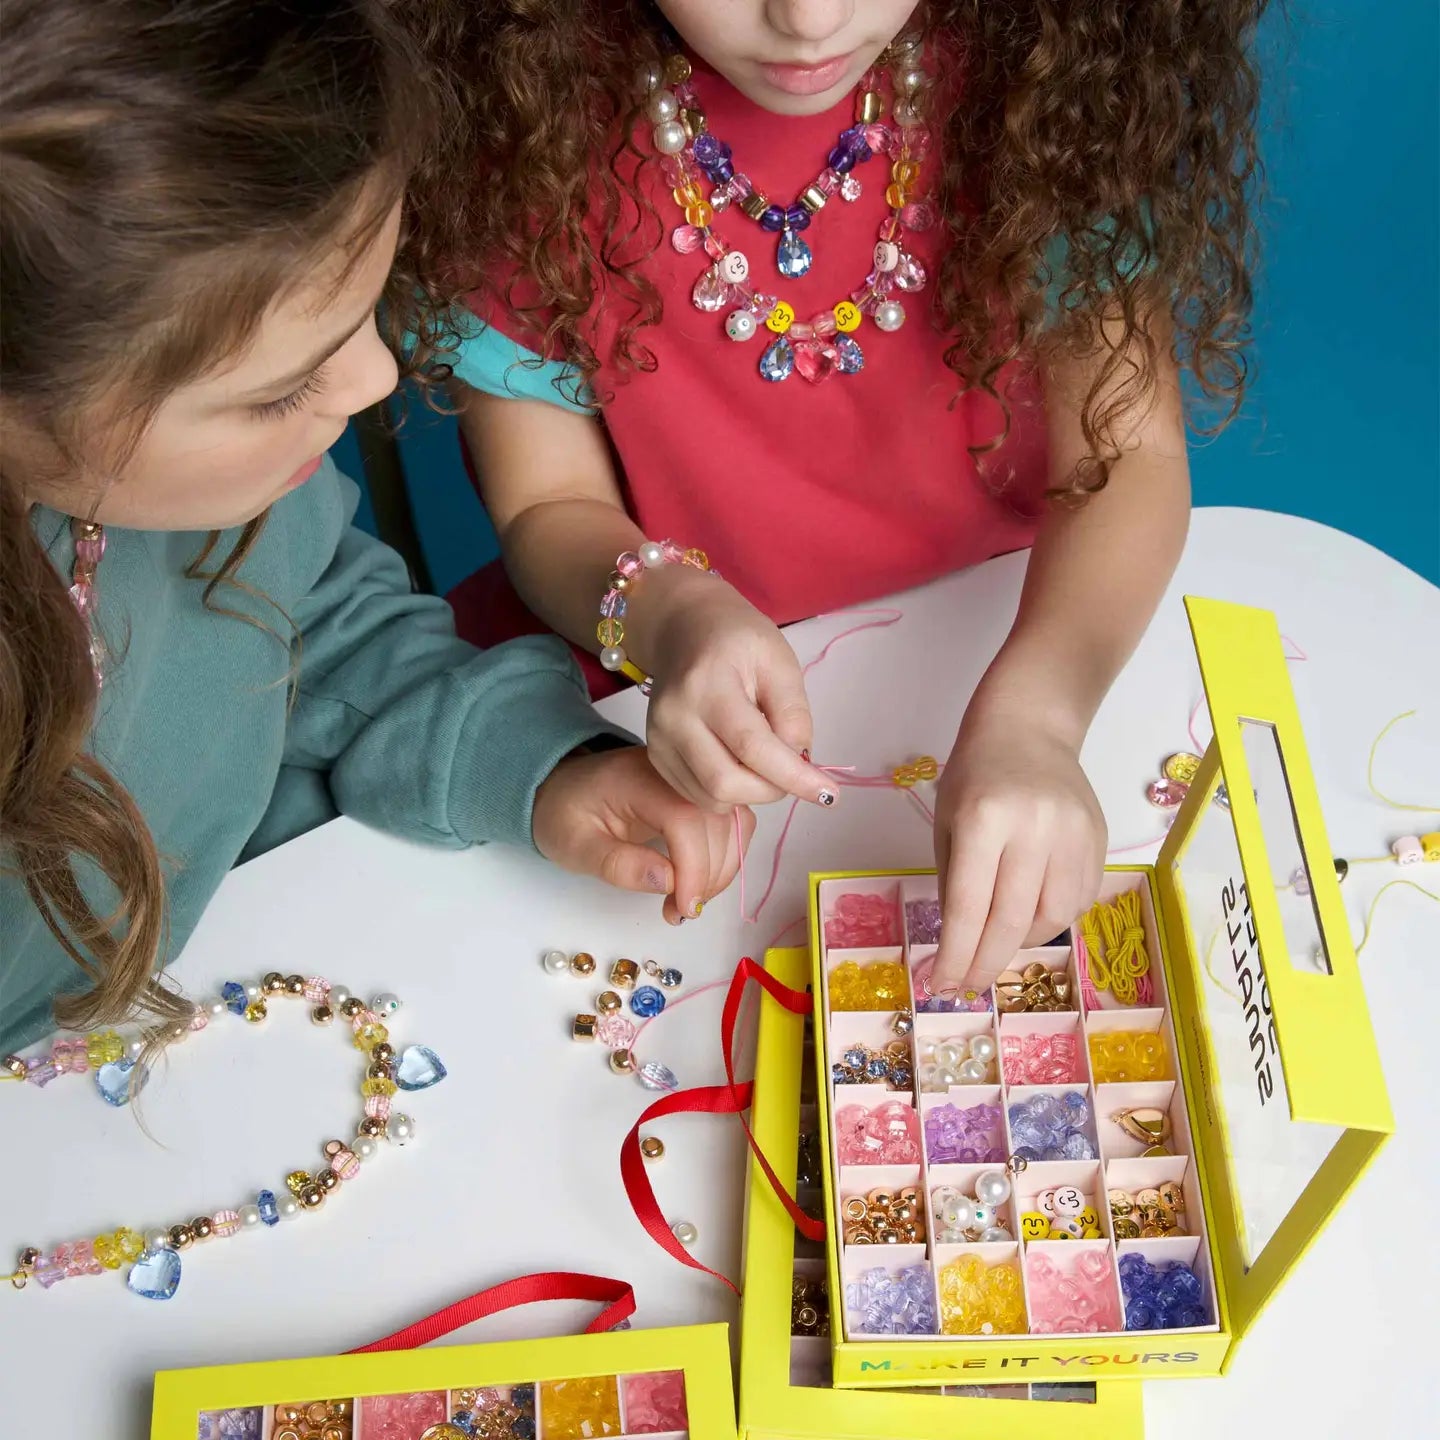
(1342, 423)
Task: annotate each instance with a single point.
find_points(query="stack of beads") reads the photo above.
(809, 1306)
(1035, 989)
(1051, 1127)
(879, 985)
(1042, 1059)
(863, 922)
(398, 1417)
(884, 1217)
(887, 1135)
(860, 1065)
(882, 1302)
(1072, 1292)
(1148, 1214)
(1062, 1212)
(655, 1404)
(922, 919)
(246, 1423)
(580, 1409)
(493, 1414)
(957, 1061)
(950, 1001)
(976, 1299)
(1119, 1057)
(960, 1217)
(314, 1420)
(972, 1136)
(1161, 1297)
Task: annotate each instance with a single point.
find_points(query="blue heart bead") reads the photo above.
(113, 1081)
(419, 1068)
(155, 1275)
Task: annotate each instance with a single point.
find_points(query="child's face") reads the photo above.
(793, 57)
(228, 446)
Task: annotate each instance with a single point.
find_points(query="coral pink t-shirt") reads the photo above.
(808, 497)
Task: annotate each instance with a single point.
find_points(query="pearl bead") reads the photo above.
(670, 138)
(685, 1232)
(556, 962)
(944, 1077)
(649, 77)
(948, 1054)
(909, 80)
(385, 1004)
(663, 106)
(216, 1008)
(995, 1233)
(612, 657)
(288, 1206)
(652, 553)
(364, 1148)
(982, 1048)
(249, 1217)
(960, 1213)
(740, 325)
(401, 1128)
(253, 992)
(157, 1239)
(889, 315)
(337, 997)
(905, 113)
(135, 1046)
(993, 1188)
(972, 1072)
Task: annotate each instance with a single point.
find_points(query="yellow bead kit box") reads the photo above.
(669, 1384)
(1106, 1165)
(786, 1391)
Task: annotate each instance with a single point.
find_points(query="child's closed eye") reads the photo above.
(313, 384)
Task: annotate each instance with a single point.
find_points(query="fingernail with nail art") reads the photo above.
(826, 797)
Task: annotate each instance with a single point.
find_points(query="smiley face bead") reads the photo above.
(734, 268)
(740, 325)
(887, 255)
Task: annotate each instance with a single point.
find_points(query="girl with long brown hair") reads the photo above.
(940, 268)
(201, 201)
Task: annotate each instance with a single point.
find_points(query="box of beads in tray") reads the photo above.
(786, 1392)
(672, 1384)
(1107, 1162)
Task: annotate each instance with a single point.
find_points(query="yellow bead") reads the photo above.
(895, 197)
(131, 1245)
(297, 1180)
(107, 1252)
(256, 1011)
(1430, 845)
(905, 173)
(609, 632)
(371, 1034)
(375, 1086)
(697, 560)
(104, 1047)
(580, 1409)
(700, 214)
(781, 318)
(848, 316)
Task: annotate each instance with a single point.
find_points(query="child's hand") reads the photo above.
(594, 813)
(1019, 846)
(729, 722)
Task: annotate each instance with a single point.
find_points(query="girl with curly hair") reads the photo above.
(848, 296)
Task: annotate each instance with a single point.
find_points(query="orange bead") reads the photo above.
(700, 214)
(905, 172)
(698, 559)
(895, 197)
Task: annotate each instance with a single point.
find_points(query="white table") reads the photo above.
(516, 1166)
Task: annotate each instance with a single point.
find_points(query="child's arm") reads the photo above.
(418, 733)
(1019, 836)
(729, 716)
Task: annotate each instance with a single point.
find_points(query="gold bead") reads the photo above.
(608, 1002)
(317, 1412)
(326, 1179)
(202, 1227)
(333, 1148)
(15, 1067)
(677, 70)
(379, 1070)
(273, 983)
(339, 1409)
(652, 1147)
(321, 1015)
(294, 984)
(384, 1052)
(583, 1027)
(694, 122)
(868, 107)
(622, 1062)
(351, 1007)
(582, 963)
(812, 197)
(288, 1414)
(619, 582)
(624, 974)
(28, 1258)
(754, 204)
(370, 1127)
(312, 1197)
(181, 1237)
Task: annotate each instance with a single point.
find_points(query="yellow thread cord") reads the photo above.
(1115, 939)
(1370, 772)
(1370, 914)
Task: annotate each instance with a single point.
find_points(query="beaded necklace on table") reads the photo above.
(154, 1255)
(826, 342)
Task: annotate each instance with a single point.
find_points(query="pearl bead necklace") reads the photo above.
(117, 1063)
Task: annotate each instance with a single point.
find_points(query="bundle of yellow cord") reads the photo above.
(1115, 940)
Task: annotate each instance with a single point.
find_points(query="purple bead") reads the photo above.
(854, 144)
(49, 1270)
(40, 1070)
(709, 148)
(721, 172)
(612, 605)
(840, 159)
(772, 218)
(797, 217)
(922, 919)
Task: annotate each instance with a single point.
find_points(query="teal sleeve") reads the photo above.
(1055, 273)
(487, 360)
(413, 730)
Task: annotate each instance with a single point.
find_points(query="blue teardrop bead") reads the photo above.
(792, 256)
(849, 356)
(778, 361)
(155, 1275)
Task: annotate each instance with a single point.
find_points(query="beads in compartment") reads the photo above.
(1161, 1297)
(898, 1302)
(1072, 1293)
(972, 1135)
(314, 1420)
(957, 1061)
(1039, 1059)
(1147, 1214)
(1062, 1212)
(980, 1299)
(880, 985)
(889, 1134)
(1035, 988)
(492, 1413)
(1053, 1127)
(580, 1409)
(948, 1002)
(860, 1065)
(884, 1217)
(863, 922)
(1119, 1057)
(960, 1217)
(655, 1404)
(809, 1305)
(922, 920)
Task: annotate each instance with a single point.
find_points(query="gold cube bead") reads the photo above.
(812, 197)
(624, 974)
(754, 204)
(869, 107)
(583, 1027)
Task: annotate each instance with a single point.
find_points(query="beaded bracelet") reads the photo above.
(610, 632)
(120, 1073)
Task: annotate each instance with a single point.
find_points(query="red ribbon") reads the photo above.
(616, 1295)
(727, 1099)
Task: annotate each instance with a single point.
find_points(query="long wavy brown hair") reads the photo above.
(168, 169)
(1124, 127)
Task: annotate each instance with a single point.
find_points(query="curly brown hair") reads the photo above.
(1124, 127)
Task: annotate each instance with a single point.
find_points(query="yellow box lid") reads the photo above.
(1276, 1045)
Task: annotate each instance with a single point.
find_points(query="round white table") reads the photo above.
(515, 1168)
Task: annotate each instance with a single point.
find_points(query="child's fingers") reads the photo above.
(780, 693)
(967, 877)
(724, 779)
(747, 735)
(674, 769)
(688, 842)
(1013, 905)
(627, 866)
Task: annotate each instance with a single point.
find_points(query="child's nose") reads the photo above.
(812, 20)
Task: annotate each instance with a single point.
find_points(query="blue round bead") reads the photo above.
(772, 218)
(647, 1001)
(797, 217)
(721, 172)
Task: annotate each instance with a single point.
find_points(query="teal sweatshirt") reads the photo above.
(395, 721)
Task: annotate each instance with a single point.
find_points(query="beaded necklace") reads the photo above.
(825, 343)
(154, 1255)
(89, 551)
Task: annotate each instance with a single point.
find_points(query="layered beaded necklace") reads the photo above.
(826, 342)
(153, 1255)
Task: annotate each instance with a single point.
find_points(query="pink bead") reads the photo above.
(345, 1164)
(391, 1417)
(1166, 794)
(686, 238)
(377, 1107)
(910, 274)
(824, 323)
(829, 181)
(673, 171)
(199, 1020)
(317, 987)
(362, 1018)
(672, 552)
(715, 247)
(615, 1032)
(630, 564)
(225, 1222)
(762, 304)
(92, 551)
(877, 137)
(739, 187)
(82, 596)
(917, 215)
(799, 330)
(917, 138)
(720, 199)
(655, 1404)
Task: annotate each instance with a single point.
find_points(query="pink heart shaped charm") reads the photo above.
(815, 362)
